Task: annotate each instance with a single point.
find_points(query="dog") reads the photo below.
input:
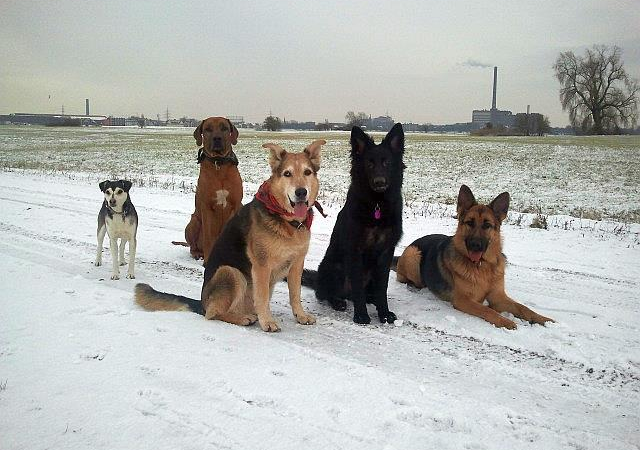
(265, 241)
(219, 190)
(468, 267)
(117, 218)
(357, 262)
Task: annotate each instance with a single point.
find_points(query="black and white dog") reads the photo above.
(119, 219)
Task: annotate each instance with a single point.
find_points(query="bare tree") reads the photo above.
(354, 119)
(596, 89)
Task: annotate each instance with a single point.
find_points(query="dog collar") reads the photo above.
(113, 211)
(217, 161)
(297, 225)
(265, 197)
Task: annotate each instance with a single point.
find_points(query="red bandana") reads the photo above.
(265, 197)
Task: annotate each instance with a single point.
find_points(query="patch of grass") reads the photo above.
(540, 220)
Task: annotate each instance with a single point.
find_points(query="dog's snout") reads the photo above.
(379, 184)
(217, 141)
(301, 193)
(476, 245)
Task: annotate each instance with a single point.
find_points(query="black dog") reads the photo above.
(357, 262)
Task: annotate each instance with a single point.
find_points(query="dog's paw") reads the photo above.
(362, 319)
(541, 319)
(131, 276)
(269, 325)
(506, 323)
(115, 276)
(338, 304)
(97, 263)
(305, 319)
(249, 319)
(123, 263)
(387, 317)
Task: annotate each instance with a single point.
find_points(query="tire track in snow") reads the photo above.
(439, 342)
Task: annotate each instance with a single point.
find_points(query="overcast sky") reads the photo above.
(419, 61)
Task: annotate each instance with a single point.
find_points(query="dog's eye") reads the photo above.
(486, 226)
(385, 163)
(108, 192)
(470, 223)
(118, 191)
(308, 172)
(370, 164)
(286, 173)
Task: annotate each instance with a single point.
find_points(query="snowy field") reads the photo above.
(81, 366)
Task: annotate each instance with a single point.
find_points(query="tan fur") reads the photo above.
(275, 249)
(213, 210)
(408, 269)
(152, 300)
(472, 282)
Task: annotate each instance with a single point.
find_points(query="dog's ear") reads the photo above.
(103, 185)
(395, 138)
(197, 134)
(313, 152)
(500, 206)
(465, 200)
(276, 156)
(234, 133)
(126, 185)
(359, 141)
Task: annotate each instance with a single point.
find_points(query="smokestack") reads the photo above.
(86, 100)
(495, 85)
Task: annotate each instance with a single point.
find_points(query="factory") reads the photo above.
(481, 117)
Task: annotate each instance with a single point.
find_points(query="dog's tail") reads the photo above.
(153, 300)
(309, 278)
(183, 243)
(394, 263)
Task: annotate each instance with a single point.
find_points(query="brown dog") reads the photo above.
(266, 241)
(219, 190)
(467, 268)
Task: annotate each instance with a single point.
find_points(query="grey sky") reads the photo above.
(419, 60)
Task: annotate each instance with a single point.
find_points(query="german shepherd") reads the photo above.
(467, 268)
(357, 262)
(266, 240)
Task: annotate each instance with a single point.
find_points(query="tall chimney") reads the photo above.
(86, 100)
(495, 85)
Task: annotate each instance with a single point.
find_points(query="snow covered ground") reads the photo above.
(81, 366)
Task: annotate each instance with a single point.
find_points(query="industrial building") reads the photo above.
(494, 116)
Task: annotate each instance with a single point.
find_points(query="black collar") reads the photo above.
(111, 212)
(217, 160)
(295, 224)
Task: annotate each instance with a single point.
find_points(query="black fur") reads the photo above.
(433, 249)
(128, 210)
(357, 263)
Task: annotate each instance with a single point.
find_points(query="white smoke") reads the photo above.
(474, 63)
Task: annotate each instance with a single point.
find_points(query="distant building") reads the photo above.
(295, 125)
(53, 120)
(236, 120)
(494, 116)
(382, 123)
(115, 121)
(410, 127)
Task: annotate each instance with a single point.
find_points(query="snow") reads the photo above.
(81, 366)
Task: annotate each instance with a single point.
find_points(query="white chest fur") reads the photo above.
(118, 228)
